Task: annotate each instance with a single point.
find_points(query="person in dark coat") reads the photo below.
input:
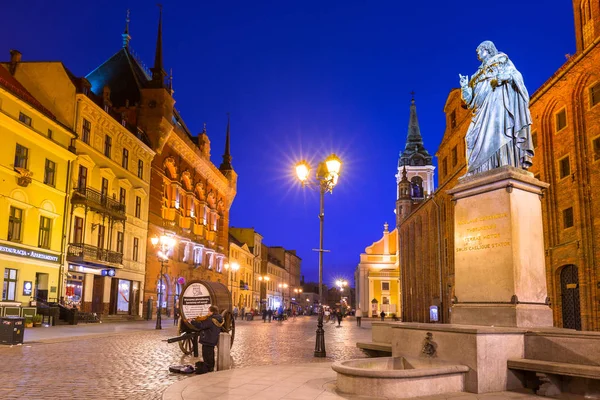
(270, 314)
(339, 316)
(264, 314)
(382, 315)
(210, 327)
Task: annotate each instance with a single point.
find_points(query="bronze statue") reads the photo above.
(499, 133)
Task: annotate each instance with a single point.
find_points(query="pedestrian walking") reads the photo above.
(269, 314)
(358, 315)
(382, 315)
(175, 316)
(235, 312)
(210, 325)
(338, 313)
(333, 316)
(264, 315)
(243, 313)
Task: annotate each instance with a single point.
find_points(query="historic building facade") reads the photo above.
(253, 240)
(241, 281)
(107, 192)
(566, 135)
(36, 157)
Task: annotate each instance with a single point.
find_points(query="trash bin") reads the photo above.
(11, 330)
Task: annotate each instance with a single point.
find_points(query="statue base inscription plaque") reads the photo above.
(500, 274)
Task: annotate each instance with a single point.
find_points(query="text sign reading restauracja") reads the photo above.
(21, 252)
(195, 301)
(481, 237)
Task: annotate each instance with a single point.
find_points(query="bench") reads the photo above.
(375, 348)
(549, 373)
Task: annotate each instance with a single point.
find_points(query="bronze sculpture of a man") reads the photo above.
(499, 133)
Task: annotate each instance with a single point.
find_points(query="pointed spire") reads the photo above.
(414, 151)
(158, 72)
(226, 164)
(125, 34)
(404, 177)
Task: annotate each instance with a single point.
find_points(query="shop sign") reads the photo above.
(195, 301)
(27, 286)
(22, 252)
(108, 272)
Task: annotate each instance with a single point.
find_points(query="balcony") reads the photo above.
(85, 253)
(97, 201)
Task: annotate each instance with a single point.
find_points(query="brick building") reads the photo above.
(190, 197)
(566, 135)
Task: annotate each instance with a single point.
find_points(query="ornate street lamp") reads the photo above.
(265, 279)
(327, 175)
(163, 245)
(283, 286)
(231, 268)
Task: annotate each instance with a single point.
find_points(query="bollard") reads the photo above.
(224, 356)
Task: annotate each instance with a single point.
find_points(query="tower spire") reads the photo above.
(158, 72)
(414, 151)
(125, 34)
(226, 164)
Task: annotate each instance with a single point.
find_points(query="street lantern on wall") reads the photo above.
(163, 245)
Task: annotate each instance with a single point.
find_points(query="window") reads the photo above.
(78, 230)
(21, 156)
(454, 156)
(120, 242)
(82, 179)
(596, 146)
(140, 169)
(101, 236)
(534, 140)
(565, 167)
(104, 190)
(15, 221)
(561, 120)
(9, 289)
(385, 286)
(122, 196)
(568, 218)
(107, 146)
(453, 119)
(136, 247)
(49, 172)
(125, 159)
(138, 206)
(50, 134)
(44, 234)
(86, 131)
(24, 118)
(595, 94)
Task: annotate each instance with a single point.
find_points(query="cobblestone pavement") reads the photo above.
(133, 364)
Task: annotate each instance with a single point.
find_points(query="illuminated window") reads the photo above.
(9, 288)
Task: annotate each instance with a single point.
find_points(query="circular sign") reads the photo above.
(194, 301)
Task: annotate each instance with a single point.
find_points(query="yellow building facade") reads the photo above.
(241, 282)
(377, 277)
(35, 162)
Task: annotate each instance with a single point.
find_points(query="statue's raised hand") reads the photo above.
(464, 80)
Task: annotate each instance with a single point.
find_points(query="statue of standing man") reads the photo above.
(499, 133)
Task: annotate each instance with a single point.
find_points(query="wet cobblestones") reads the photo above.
(134, 365)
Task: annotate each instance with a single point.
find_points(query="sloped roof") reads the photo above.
(8, 82)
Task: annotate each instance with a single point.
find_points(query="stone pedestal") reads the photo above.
(500, 276)
(224, 354)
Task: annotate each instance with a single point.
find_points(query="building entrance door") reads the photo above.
(569, 288)
(41, 286)
(98, 295)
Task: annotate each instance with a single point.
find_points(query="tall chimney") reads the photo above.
(15, 58)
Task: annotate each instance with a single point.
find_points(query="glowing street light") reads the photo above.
(163, 245)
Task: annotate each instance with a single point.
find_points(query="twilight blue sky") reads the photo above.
(302, 79)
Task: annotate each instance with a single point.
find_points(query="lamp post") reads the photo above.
(298, 291)
(283, 286)
(163, 245)
(231, 268)
(265, 279)
(341, 284)
(327, 175)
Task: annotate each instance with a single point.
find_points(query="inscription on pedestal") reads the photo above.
(481, 233)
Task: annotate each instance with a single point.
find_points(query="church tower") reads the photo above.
(415, 163)
(587, 22)
(404, 199)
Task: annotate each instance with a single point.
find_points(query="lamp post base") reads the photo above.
(320, 340)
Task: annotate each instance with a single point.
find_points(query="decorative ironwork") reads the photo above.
(24, 178)
(79, 252)
(99, 202)
(569, 287)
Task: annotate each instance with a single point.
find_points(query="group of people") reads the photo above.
(242, 313)
(279, 314)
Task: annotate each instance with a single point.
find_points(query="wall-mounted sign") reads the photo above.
(108, 272)
(433, 314)
(22, 252)
(27, 288)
